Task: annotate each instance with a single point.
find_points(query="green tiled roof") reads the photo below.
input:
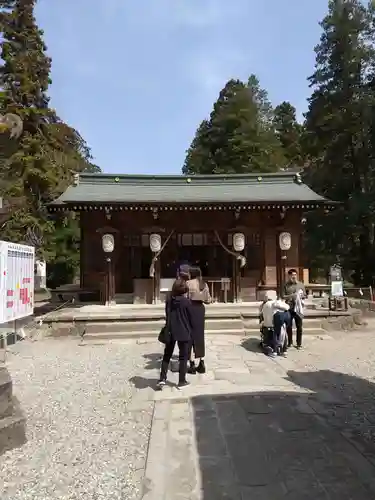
(151, 189)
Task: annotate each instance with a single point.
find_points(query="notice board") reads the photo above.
(16, 281)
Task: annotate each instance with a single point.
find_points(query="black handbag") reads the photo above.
(164, 336)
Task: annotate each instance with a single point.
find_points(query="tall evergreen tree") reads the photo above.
(199, 158)
(337, 138)
(24, 79)
(38, 166)
(263, 105)
(289, 132)
(239, 136)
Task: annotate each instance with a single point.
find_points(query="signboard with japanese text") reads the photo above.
(16, 281)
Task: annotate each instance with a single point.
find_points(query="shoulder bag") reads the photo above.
(164, 336)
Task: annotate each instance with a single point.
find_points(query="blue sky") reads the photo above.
(136, 77)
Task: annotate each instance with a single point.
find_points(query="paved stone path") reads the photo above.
(257, 429)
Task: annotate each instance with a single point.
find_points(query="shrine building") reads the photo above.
(244, 231)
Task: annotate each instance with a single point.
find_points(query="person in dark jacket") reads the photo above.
(292, 289)
(178, 311)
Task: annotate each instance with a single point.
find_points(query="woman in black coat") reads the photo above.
(199, 295)
(178, 309)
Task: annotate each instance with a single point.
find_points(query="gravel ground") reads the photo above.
(85, 439)
(88, 414)
(350, 353)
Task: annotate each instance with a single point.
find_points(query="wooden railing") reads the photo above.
(220, 289)
(319, 290)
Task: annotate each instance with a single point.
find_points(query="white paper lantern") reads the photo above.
(40, 274)
(155, 242)
(285, 241)
(108, 243)
(238, 242)
(41, 268)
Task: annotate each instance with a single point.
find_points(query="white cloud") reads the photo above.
(209, 71)
(206, 63)
(202, 59)
(197, 13)
(174, 14)
(110, 9)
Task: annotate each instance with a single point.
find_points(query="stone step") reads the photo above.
(308, 322)
(155, 326)
(147, 335)
(148, 313)
(148, 318)
(130, 315)
(104, 336)
(307, 330)
(12, 432)
(6, 400)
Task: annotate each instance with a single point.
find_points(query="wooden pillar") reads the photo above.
(304, 272)
(270, 257)
(110, 288)
(156, 282)
(236, 280)
(293, 260)
(81, 254)
(282, 256)
(154, 287)
(109, 266)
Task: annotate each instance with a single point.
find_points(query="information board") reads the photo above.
(16, 281)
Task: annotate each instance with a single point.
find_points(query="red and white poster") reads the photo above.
(16, 281)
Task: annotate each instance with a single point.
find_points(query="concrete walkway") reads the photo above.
(253, 428)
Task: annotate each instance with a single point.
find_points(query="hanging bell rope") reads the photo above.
(237, 255)
(156, 256)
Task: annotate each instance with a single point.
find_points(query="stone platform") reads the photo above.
(97, 323)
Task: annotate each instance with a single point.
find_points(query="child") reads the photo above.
(275, 315)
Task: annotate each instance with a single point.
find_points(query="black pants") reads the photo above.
(298, 321)
(183, 355)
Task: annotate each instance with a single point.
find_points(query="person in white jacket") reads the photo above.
(275, 313)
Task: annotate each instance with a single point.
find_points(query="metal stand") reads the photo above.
(338, 303)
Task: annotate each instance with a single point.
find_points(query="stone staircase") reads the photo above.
(116, 330)
(12, 420)
(96, 324)
(149, 329)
